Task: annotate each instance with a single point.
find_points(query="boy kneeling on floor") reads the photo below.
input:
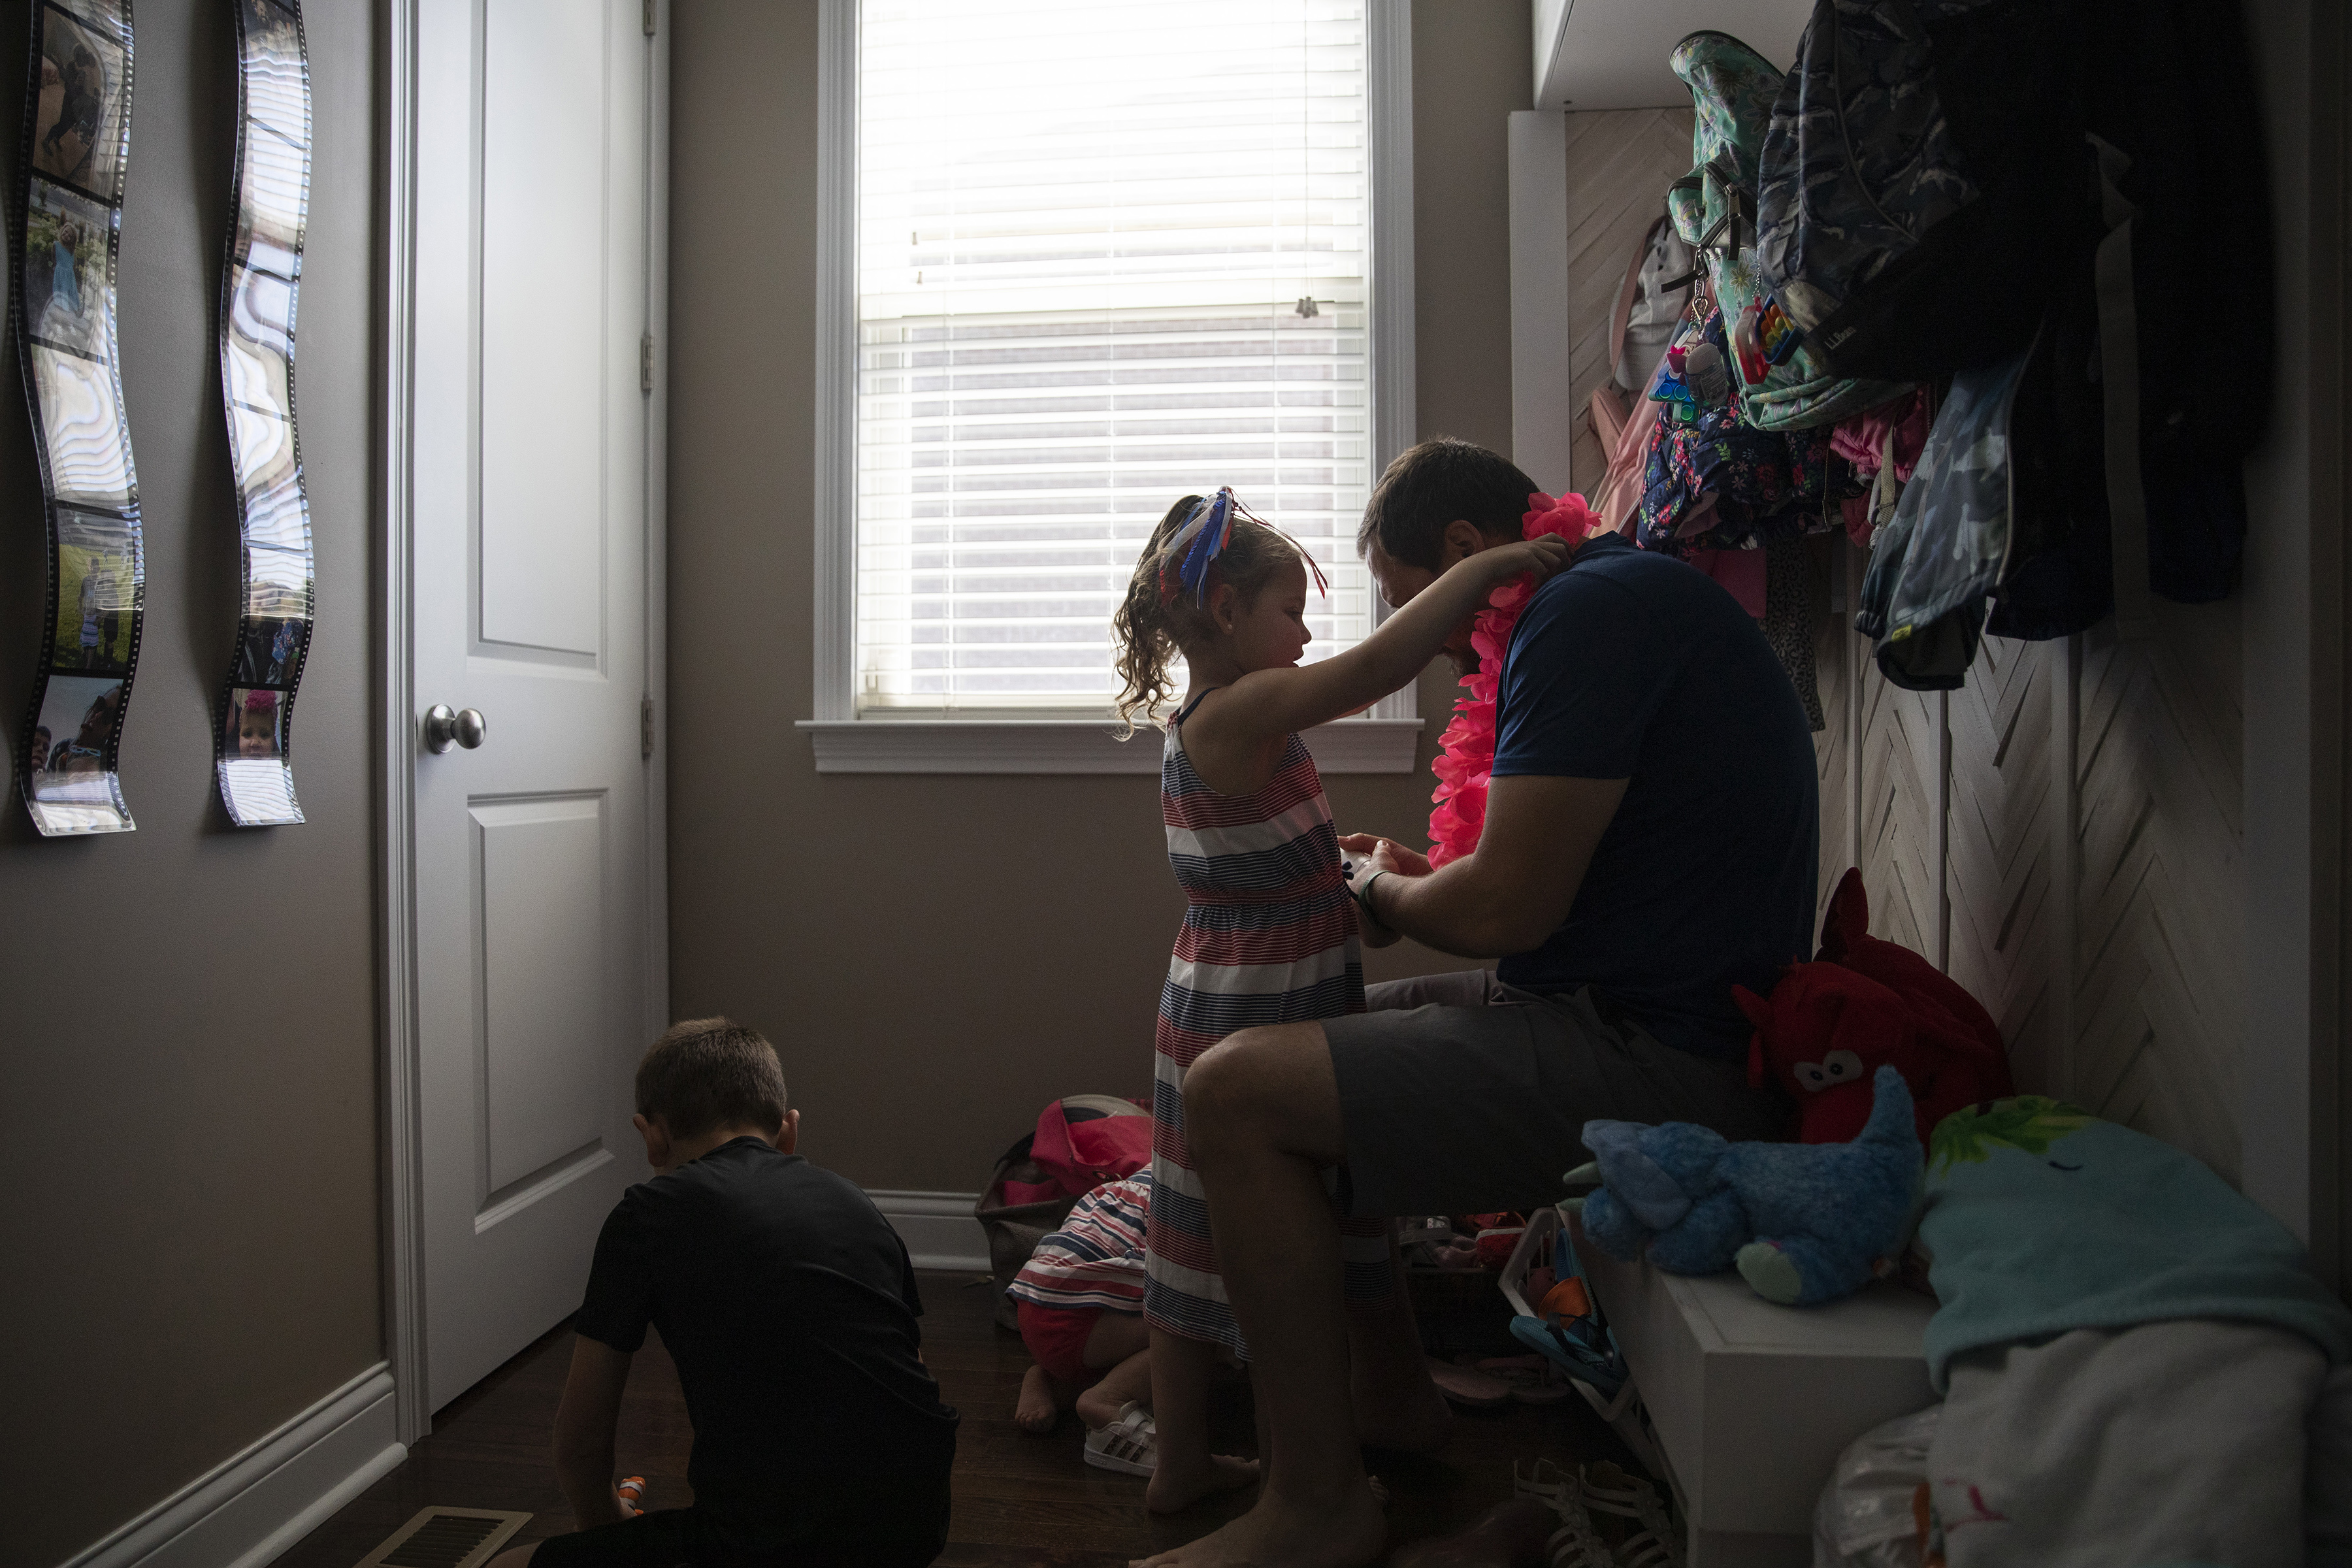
(788, 1305)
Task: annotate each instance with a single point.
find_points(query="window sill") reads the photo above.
(1068, 746)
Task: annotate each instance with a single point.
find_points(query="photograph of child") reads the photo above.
(255, 725)
(89, 453)
(269, 652)
(256, 786)
(98, 592)
(78, 117)
(68, 294)
(77, 724)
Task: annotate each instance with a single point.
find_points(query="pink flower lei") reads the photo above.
(1465, 763)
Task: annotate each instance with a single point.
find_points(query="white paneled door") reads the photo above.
(535, 805)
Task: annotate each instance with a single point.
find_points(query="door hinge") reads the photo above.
(645, 729)
(645, 363)
(649, 16)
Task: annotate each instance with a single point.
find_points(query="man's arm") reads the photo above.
(1517, 888)
(585, 1422)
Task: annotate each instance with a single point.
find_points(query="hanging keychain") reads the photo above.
(1775, 334)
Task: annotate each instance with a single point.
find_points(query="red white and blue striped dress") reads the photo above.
(1269, 937)
(1096, 1260)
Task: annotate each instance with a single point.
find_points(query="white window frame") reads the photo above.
(1380, 741)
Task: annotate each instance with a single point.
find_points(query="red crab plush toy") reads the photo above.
(1862, 1002)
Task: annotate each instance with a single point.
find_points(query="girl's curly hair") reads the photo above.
(1150, 629)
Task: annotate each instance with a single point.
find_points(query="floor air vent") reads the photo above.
(446, 1538)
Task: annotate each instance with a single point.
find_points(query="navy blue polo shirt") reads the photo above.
(1632, 664)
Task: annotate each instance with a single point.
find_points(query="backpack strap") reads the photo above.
(1622, 315)
(2120, 381)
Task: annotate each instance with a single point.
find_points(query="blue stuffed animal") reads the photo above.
(1803, 1222)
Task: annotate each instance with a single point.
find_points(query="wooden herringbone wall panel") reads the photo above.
(1835, 648)
(2160, 917)
(2064, 835)
(1998, 872)
(1900, 806)
(1620, 163)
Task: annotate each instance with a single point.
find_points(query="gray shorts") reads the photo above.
(1460, 1094)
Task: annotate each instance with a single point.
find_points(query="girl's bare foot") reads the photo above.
(1097, 1409)
(1035, 1414)
(1176, 1486)
(1277, 1534)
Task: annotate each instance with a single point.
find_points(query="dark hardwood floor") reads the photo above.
(1018, 1499)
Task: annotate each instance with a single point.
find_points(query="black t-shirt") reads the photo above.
(788, 1305)
(1634, 666)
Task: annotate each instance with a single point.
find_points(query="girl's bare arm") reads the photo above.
(1274, 702)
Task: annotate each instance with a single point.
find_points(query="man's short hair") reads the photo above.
(1433, 484)
(709, 1073)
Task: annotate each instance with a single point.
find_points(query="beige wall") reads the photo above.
(187, 1136)
(937, 956)
(1620, 163)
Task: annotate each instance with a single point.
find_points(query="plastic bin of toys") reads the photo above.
(1557, 1314)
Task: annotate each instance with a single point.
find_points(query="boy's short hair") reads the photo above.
(708, 1073)
(1434, 484)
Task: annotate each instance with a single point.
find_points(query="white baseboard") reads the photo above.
(263, 1500)
(938, 1228)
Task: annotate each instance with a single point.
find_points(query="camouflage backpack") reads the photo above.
(1784, 384)
(1912, 186)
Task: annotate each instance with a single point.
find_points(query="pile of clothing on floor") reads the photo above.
(2137, 1366)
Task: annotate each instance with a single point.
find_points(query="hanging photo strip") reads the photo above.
(68, 227)
(253, 736)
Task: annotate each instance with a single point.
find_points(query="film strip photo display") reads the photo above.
(254, 729)
(68, 231)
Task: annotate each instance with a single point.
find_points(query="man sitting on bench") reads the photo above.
(1651, 839)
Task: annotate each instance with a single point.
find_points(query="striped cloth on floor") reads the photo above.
(1096, 1260)
(1269, 937)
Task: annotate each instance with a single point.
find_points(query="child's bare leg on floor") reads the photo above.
(1130, 1380)
(1186, 1471)
(1042, 1399)
(1113, 1338)
(1119, 1347)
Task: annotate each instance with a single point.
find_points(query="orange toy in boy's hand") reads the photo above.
(630, 1489)
(1828, 1026)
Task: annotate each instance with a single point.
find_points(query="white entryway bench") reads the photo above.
(1751, 1404)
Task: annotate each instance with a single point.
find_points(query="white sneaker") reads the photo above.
(1608, 1491)
(1130, 1445)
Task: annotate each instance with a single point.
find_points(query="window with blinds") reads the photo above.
(1110, 253)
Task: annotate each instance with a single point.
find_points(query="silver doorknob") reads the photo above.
(444, 729)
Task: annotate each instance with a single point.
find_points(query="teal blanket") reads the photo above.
(2040, 1218)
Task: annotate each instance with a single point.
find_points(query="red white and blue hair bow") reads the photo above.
(1204, 538)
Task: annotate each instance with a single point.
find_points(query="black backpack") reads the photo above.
(1907, 187)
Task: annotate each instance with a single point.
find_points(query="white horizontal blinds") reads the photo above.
(1085, 231)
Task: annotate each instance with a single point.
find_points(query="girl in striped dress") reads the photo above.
(1270, 933)
(1080, 1303)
